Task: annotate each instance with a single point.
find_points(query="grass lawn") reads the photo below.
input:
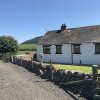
(83, 69)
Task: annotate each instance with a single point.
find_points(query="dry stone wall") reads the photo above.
(74, 82)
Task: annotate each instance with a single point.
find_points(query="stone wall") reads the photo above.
(75, 82)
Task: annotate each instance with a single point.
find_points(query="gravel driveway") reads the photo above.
(16, 83)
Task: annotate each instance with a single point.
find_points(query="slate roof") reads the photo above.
(72, 35)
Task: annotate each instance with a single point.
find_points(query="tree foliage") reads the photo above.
(8, 44)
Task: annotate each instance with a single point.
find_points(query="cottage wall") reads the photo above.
(65, 57)
(87, 55)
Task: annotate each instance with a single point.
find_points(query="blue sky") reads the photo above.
(26, 19)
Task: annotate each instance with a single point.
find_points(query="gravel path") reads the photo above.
(16, 83)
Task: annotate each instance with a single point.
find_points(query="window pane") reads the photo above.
(46, 49)
(59, 49)
(97, 48)
(77, 49)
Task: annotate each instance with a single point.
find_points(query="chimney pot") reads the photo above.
(63, 27)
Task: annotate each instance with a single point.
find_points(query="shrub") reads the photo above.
(8, 44)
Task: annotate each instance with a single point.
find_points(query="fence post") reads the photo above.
(94, 71)
(31, 63)
(96, 88)
(21, 60)
(12, 59)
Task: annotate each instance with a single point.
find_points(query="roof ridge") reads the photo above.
(84, 27)
(74, 28)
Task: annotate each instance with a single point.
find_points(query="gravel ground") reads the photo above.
(16, 83)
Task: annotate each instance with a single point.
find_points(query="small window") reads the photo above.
(58, 49)
(97, 48)
(76, 49)
(46, 50)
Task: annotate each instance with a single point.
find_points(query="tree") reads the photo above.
(8, 44)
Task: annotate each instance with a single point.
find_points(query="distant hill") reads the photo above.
(32, 41)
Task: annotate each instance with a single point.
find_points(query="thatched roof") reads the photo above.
(72, 35)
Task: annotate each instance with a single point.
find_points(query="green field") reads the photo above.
(24, 48)
(27, 46)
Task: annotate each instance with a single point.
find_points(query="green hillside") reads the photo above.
(28, 46)
(32, 41)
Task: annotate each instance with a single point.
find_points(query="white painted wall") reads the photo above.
(39, 50)
(65, 57)
(87, 55)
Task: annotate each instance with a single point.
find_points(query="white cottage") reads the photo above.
(72, 46)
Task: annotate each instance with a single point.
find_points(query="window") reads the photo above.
(97, 48)
(76, 48)
(46, 50)
(58, 49)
